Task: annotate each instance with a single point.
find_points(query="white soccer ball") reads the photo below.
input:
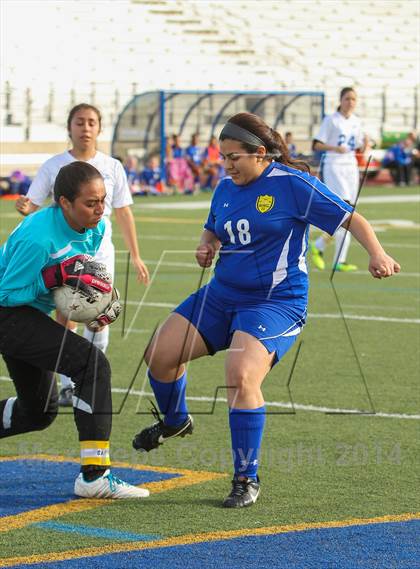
(76, 306)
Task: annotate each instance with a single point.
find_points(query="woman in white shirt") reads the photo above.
(84, 126)
(339, 136)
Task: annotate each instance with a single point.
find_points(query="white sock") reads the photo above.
(342, 244)
(99, 339)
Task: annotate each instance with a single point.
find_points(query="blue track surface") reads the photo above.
(379, 546)
(30, 484)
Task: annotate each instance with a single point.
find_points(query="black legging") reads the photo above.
(400, 172)
(33, 346)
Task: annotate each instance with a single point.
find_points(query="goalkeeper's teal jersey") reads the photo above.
(43, 239)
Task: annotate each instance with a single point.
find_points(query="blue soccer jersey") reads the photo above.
(195, 153)
(263, 228)
(150, 176)
(42, 239)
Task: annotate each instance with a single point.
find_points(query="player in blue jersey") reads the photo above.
(255, 305)
(194, 157)
(150, 179)
(48, 249)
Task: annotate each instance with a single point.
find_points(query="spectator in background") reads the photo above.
(398, 159)
(180, 176)
(169, 142)
(150, 179)
(415, 153)
(14, 185)
(4, 186)
(291, 146)
(194, 155)
(212, 165)
(131, 170)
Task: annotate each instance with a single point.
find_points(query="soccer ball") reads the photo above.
(76, 306)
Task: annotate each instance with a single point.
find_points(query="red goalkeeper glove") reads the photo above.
(81, 272)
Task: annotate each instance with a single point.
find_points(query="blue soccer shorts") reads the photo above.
(276, 324)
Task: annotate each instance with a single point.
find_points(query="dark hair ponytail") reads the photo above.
(271, 139)
(70, 178)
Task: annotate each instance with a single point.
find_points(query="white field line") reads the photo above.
(205, 204)
(279, 404)
(196, 239)
(195, 266)
(310, 314)
(404, 198)
(184, 205)
(166, 263)
(169, 238)
(402, 245)
(140, 304)
(373, 307)
(360, 317)
(402, 274)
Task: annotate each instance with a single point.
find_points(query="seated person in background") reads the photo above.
(291, 146)
(150, 179)
(194, 155)
(398, 159)
(212, 165)
(180, 176)
(415, 156)
(131, 169)
(4, 186)
(15, 184)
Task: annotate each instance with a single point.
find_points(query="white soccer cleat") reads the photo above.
(108, 486)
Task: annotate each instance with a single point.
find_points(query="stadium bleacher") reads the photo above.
(105, 55)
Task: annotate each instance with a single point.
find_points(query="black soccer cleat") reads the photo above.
(158, 433)
(245, 492)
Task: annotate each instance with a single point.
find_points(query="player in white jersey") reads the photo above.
(339, 137)
(84, 126)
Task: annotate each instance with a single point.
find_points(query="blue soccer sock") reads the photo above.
(246, 428)
(170, 398)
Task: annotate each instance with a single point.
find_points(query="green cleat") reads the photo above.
(317, 256)
(345, 267)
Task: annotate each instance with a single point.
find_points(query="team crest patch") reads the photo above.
(265, 203)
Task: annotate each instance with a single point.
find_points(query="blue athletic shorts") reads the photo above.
(276, 324)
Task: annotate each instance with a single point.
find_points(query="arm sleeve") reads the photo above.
(22, 282)
(122, 195)
(41, 186)
(211, 222)
(319, 206)
(211, 219)
(324, 131)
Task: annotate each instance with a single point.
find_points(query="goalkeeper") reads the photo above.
(48, 249)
